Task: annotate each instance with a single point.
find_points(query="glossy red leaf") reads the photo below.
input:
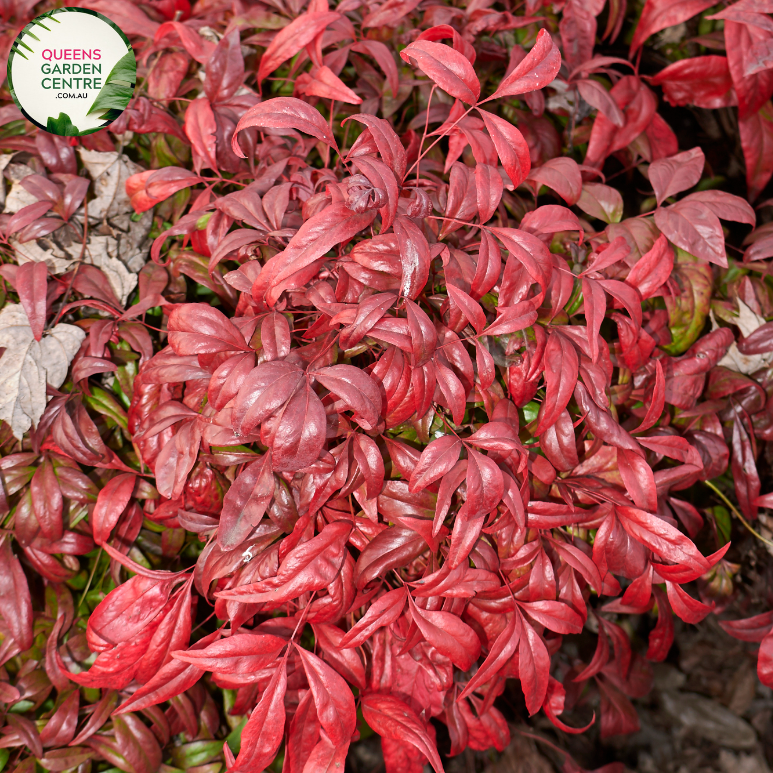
(510, 145)
(659, 14)
(333, 699)
(533, 665)
(31, 285)
(561, 368)
(197, 328)
(284, 113)
(447, 634)
(662, 538)
(240, 653)
(449, 69)
(695, 228)
(263, 732)
(392, 718)
(673, 175)
(356, 389)
(15, 600)
(538, 68)
(111, 502)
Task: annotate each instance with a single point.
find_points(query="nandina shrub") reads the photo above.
(403, 393)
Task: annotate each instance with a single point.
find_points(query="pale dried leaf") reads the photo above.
(28, 364)
(747, 322)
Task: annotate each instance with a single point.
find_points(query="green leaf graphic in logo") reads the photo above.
(118, 88)
(62, 126)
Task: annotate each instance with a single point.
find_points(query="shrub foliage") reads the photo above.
(350, 374)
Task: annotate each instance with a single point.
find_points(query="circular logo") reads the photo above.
(71, 71)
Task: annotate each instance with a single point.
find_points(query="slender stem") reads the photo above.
(445, 132)
(88, 583)
(426, 127)
(737, 513)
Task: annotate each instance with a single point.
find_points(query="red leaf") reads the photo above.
(533, 666)
(753, 629)
(31, 285)
(371, 463)
(382, 178)
(499, 655)
(638, 479)
(414, 257)
(126, 611)
(703, 81)
(181, 34)
(561, 368)
(537, 69)
(334, 225)
(387, 142)
(292, 39)
(449, 69)
(435, 461)
(744, 467)
(201, 130)
(661, 538)
(510, 145)
(245, 502)
(653, 269)
(471, 310)
(173, 679)
(554, 706)
(448, 635)
(240, 653)
(381, 613)
(512, 319)
(685, 606)
(757, 144)
(594, 307)
(333, 699)
(357, 389)
(299, 434)
(765, 661)
(310, 566)
(284, 113)
(692, 226)
(659, 14)
(198, 328)
(225, 69)
(753, 85)
(263, 732)
(597, 96)
(111, 502)
(554, 615)
(390, 717)
(561, 175)
(579, 561)
(384, 59)
(489, 187)
(15, 600)
(673, 175)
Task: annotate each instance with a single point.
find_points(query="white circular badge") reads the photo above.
(72, 71)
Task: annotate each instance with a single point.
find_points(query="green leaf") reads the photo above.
(108, 406)
(118, 88)
(687, 311)
(197, 753)
(62, 126)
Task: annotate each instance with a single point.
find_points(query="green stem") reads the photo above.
(737, 513)
(88, 583)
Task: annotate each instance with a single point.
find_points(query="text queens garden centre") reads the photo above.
(78, 68)
(71, 71)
